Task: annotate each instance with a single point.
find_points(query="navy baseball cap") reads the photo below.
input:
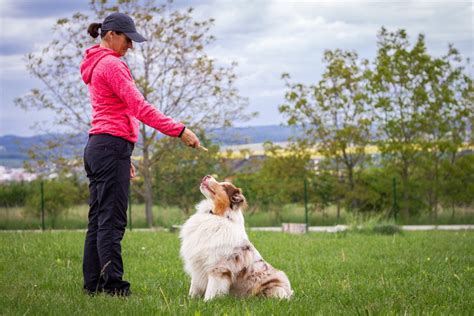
(120, 22)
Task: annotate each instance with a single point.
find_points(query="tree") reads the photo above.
(171, 69)
(421, 104)
(334, 112)
(458, 189)
(450, 104)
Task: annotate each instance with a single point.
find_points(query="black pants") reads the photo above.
(107, 164)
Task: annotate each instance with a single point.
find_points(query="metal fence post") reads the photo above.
(394, 203)
(130, 206)
(306, 204)
(42, 204)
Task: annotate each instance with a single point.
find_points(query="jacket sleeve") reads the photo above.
(121, 82)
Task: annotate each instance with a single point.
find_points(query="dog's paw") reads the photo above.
(195, 292)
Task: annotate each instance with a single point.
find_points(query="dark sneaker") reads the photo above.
(118, 292)
(91, 292)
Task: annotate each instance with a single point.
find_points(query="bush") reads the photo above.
(386, 229)
(59, 195)
(14, 194)
(372, 224)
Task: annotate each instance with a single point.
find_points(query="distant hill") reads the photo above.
(253, 134)
(14, 149)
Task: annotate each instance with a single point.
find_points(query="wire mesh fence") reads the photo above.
(311, 201)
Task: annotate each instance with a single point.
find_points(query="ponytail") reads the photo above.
(93, 29)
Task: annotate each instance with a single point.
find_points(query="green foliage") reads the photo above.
(323, 189)
(373, 191)
(14, 193)
(59, 195)
(386, 229)
(177, 176)
(280, 179)
(372, 224)
(457, 187)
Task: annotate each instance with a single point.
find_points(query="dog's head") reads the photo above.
(224, 195)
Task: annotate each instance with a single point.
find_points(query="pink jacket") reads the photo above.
(117, 105)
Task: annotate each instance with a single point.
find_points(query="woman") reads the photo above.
(117, 106)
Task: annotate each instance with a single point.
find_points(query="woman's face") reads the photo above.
(119, 42)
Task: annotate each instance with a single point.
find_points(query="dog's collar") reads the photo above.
(212, 213)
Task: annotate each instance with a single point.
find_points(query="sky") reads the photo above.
(265, 37)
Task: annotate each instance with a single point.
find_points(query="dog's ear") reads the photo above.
(235, 196)
(238, 200)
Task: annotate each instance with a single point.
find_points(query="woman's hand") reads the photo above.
(190, 139)
(132, 171)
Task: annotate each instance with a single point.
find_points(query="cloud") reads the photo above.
(12, 47)
(22, 35)
(41, 8)
(266, 38)
(12, 67)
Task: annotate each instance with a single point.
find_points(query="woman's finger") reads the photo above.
(132, 171)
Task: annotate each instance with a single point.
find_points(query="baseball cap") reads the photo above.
(120, 22)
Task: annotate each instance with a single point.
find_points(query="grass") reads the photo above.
(347, 273)
(76, 217)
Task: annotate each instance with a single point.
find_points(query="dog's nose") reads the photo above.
(205, 178)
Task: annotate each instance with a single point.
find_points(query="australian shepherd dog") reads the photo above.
(217, 253)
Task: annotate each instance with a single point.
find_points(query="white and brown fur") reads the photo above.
(217, 253)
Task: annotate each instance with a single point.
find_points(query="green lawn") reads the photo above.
(348, 273)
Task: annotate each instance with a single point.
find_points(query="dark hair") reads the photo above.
(93, 30)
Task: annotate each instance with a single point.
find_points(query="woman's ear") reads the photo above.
(107, 36)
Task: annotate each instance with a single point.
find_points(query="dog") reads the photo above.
(217, 253)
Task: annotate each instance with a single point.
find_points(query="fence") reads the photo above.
(42, 208)
(302, 200)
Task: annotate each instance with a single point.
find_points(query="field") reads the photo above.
(345, 273)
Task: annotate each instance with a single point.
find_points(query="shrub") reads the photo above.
(386, 229)
(59, 195)
(14, 194)
(372, 224)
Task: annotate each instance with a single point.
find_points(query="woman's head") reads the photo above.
(117, 32)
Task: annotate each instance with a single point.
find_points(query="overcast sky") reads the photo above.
(266, 38)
